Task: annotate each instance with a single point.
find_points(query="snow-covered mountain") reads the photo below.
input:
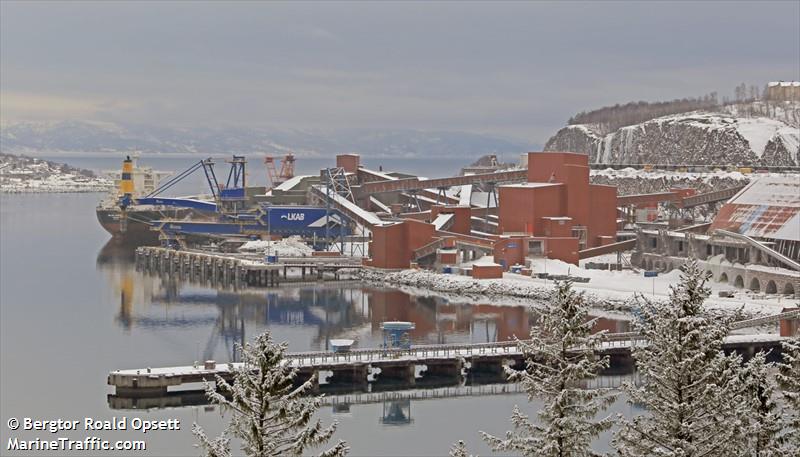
(84, 136)
(689, 138)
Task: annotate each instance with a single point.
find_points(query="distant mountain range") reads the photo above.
(86, 136)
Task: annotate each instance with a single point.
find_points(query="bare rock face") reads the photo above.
(692, 138)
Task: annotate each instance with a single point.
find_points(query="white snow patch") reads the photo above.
(759, 130)
(288, 247)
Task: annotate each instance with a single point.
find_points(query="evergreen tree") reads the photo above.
(695, 401)
(766, 424)
(789, 381)
(560, 358)
(459, 449)
(271, 417)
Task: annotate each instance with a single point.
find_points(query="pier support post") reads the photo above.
(442, 368)
(355, 375)
(403, 372)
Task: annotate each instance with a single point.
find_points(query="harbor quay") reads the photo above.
(241, 270)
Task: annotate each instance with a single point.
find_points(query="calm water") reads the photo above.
(72, 309)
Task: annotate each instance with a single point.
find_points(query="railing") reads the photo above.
(428, 249)
(460, 237)
(625, 200)
(713, 196)
(423, 394)
(408, 184)
(766, 319)
(608, 248)
(609, 340)
(760, 246)
(511, 347)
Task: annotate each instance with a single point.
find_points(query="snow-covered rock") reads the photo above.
(689, 138)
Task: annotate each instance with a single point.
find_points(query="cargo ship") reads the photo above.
(132, 224)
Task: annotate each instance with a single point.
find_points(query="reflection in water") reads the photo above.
(397, 412)
(330, 310)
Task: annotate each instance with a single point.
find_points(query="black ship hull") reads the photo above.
(136, 228)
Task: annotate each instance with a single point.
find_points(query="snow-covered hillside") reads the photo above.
(20, 174)
(690, 138)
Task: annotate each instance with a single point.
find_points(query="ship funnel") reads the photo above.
(126, 183)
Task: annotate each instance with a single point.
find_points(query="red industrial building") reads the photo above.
(556, 213)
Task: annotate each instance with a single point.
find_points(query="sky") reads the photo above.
(517, 69)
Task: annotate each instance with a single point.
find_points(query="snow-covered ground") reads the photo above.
(614, 290)
(294, 246)
(288, 247)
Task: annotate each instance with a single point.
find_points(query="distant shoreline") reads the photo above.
(22, 174)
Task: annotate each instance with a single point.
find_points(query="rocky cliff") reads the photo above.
(691, 138)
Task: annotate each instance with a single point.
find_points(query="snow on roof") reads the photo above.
(765, 208)
(441, 220)
(368, 216)
(465, 197)
(790, 230)
(480, 199)
(783, 191)
(784, 83)
(290, 183)
(533, 184)
(380, 204)
(380, 174)
(485, 261)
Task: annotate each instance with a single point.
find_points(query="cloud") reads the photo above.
(15, 105)
(517, 69)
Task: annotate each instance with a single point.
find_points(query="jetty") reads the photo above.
(241, 270)
(407, 366)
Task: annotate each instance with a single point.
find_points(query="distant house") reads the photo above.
(783, 91)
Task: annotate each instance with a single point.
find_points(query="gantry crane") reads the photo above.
(286, 173)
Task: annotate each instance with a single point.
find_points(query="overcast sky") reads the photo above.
(513, 69)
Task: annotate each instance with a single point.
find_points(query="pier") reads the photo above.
(240, 270)
(423, 364)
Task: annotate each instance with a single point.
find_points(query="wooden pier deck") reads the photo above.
(239, 270)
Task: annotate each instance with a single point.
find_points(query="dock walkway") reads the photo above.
(355, 367)
(239, 270)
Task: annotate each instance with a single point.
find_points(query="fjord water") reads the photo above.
(73, 308)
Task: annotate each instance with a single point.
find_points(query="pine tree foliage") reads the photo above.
(212, 447)
(766, 424)
(789, 381)
(695, 400)
(560, 358)
(270, 415)
(459, 449)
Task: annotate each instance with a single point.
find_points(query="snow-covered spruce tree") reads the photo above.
(270, 416)
(765, 420)
(695, 400)
(459, 449)
(789, 381)
(559, 360)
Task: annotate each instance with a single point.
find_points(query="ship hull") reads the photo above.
(137, 230)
